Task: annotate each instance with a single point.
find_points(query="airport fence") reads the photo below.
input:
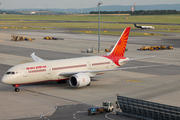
(148, 109)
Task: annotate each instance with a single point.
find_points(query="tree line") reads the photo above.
(139, 12)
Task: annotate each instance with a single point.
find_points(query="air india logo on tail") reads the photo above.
(117, 52)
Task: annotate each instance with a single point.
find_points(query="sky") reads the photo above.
(65, 4)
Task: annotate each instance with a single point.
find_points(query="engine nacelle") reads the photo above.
(79, 80)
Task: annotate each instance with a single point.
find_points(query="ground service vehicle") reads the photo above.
(52, 38)
(170, 47)
(21, 38)
(92, 110)
(144, 48)
(108, 106)
(154, 48)
(100, 109)
(161, 47)
(96, 110)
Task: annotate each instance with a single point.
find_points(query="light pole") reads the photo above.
(134, 7)
(99, 3)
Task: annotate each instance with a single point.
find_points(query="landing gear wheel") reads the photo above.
(16, 89)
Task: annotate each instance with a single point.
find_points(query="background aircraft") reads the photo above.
(143, 27)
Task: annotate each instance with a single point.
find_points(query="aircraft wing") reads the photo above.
(36, 58)
(68, 74)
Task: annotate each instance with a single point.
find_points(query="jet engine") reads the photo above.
(79, 80)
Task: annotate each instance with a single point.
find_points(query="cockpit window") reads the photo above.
(12, 72)
(9, 72)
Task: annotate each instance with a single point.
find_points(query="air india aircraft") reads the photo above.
(78, 71)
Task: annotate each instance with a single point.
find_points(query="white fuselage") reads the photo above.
(50, 70)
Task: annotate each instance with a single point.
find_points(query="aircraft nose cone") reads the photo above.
(4, 80)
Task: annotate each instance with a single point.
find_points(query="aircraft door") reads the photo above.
(24, 72)
(89, 65)
(48, 72)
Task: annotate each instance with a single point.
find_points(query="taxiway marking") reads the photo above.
(108, 117)
(135, 81)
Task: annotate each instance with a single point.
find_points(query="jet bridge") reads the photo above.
(147, 110)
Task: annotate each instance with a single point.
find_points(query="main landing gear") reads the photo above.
(16, 88)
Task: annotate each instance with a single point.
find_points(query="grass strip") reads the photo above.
(89, 17)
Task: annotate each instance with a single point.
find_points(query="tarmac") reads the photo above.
(49, 100)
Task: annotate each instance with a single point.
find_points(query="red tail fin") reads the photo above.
(119, 48)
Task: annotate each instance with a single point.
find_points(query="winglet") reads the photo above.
(36, 58)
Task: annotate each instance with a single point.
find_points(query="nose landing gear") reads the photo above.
(16, 88)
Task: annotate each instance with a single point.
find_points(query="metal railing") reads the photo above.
(148, 109)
